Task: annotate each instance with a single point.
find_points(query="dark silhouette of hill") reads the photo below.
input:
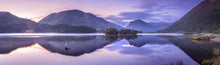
(13, 24)
(78, 18)
(140, 25)
(203, 18)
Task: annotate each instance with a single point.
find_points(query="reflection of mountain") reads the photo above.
(9, 44)
(74, 47)
(142, 40)
(157, 48)
(69, 38)
(197, 51)
(153, 41)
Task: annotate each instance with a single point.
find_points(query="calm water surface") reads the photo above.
(104, 50)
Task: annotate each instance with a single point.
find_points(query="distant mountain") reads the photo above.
(147, 27)
(13, 24)
(203, 18)
(78, 18)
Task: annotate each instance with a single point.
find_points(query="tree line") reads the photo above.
(113, 31)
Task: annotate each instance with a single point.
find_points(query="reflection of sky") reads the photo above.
(118, 53)
(151, 53)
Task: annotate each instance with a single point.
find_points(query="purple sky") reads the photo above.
(117, 11)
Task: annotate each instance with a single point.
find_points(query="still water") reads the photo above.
(104, 50)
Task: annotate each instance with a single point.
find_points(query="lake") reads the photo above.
(142, 49)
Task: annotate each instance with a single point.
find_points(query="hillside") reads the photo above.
(78, 18)
(140, 25)
(13, 24)
(62, 28)
(205, 17)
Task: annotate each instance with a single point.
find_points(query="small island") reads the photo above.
(202, 37)
(113, 31)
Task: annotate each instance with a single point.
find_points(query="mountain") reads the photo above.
(13, 24)
(205, 17)
(78, 18)
(140, 25)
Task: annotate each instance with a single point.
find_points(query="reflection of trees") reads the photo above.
(69, 38)
(202, 41)
(115, 37)
(111, 38)
(215, 60)
(176, 63)
(196, 51)
(128, 37)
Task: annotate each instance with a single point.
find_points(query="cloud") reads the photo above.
(136, 15)
(125, 17)
(170, 4)
(117, 20)
(157, 11)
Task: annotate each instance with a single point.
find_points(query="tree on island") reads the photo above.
(63, 28)
(79, 29)
(111, 31)
(128, 32)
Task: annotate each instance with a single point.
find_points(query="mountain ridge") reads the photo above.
(204, 17)
(77, 17)
(13, 24)
(141, 25)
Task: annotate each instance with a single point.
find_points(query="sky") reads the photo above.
(120, 12)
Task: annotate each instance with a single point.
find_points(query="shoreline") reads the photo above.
(217, 39)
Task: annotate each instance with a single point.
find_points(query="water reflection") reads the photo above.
(69, 38)
(215, 60)
(110, 38)
(9, 44)
(142, 40)
(138, 50)
(75, 46)
(203, 41)
(196, 51)
(129, 37)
